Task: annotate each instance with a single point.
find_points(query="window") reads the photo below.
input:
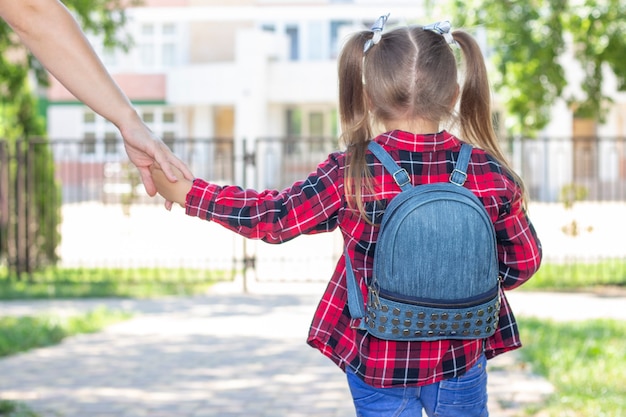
(158, 45)
(89, 143)
(335, 36)
(169, 117)
(294, 129)
(110, 143)
(169, 138)
(147, 55)
(147, 29)
(100, 137)
(168, 46)
(89, 117)
(316, 124)
(294, 39)
(163, 122)
(148, 117)
(168, 57)
(168, 29)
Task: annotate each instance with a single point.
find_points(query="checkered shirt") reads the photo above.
(318, 204)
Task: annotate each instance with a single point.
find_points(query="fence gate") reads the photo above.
(109, 222)
(276, 163)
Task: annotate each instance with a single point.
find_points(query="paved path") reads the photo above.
(226, 354)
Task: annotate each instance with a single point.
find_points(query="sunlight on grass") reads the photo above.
(576, 276)
(18, 334)
(585, 361)
(15, 409)
(93, 283)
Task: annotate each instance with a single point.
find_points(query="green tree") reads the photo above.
(35, 214)
(526, 39)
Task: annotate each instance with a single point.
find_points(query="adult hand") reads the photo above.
(144, 149)
(52, 34)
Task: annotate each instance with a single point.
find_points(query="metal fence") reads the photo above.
(109, 221)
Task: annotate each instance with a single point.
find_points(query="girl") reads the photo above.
(405, 81)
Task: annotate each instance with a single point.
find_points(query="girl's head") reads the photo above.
(411, 75)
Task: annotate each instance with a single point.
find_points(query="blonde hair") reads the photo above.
(410, 73)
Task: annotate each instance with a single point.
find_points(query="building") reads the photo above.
(248, 69)
(231, 70)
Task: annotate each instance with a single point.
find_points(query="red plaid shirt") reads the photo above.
(318, 204)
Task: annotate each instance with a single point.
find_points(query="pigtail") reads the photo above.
(475, 104)
(354, 115)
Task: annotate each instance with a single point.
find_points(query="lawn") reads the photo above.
(96, 283)
(585, 361)
(19, 334)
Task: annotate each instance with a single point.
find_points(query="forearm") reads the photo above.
(175, 192)
(51, 33)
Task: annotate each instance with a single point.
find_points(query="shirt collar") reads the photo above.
(416, 142)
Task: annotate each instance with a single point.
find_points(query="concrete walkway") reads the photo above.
(228, 354)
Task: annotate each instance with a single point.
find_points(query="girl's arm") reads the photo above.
(52, 34)
(519, 248)
(175, 192)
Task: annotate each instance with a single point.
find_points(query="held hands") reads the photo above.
(173, 192)
(144, 150)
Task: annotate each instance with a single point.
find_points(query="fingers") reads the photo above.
(168, 205)
(169, 172)
(148, 182)
(170, 164)
(183, 168)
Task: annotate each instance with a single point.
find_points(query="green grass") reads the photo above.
(579, 276)
(18, 334)
(92, 283)
(585, 361)
(15, 409)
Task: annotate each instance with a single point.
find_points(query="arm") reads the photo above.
(51, 33)
(306, 207)
(519, 248)
(175, 192)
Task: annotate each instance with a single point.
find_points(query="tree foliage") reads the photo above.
(527, 39)
(32, 162)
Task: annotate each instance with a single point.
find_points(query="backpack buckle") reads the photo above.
(401, 177)
(458, 177)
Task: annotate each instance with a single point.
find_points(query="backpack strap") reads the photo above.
(356, 303)
(459, 174)
(399, 174)
(457, 177)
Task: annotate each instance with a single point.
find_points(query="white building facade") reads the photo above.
(250, 69)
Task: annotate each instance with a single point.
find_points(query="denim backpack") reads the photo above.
(435, 264)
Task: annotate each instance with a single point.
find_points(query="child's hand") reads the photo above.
(173, 192)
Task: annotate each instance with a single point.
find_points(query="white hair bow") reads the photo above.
(377, 29)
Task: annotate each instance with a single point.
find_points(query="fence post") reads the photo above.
(249, 260)
(4, 197)
(19, 213)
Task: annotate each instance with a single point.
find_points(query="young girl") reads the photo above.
(405, 81)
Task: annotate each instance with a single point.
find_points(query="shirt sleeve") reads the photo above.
(307, 207)
(519, 248)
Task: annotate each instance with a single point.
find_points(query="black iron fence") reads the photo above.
(107, 220)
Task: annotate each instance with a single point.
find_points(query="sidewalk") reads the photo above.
(224, 354)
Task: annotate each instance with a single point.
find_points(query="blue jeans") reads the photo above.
(465, 396)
